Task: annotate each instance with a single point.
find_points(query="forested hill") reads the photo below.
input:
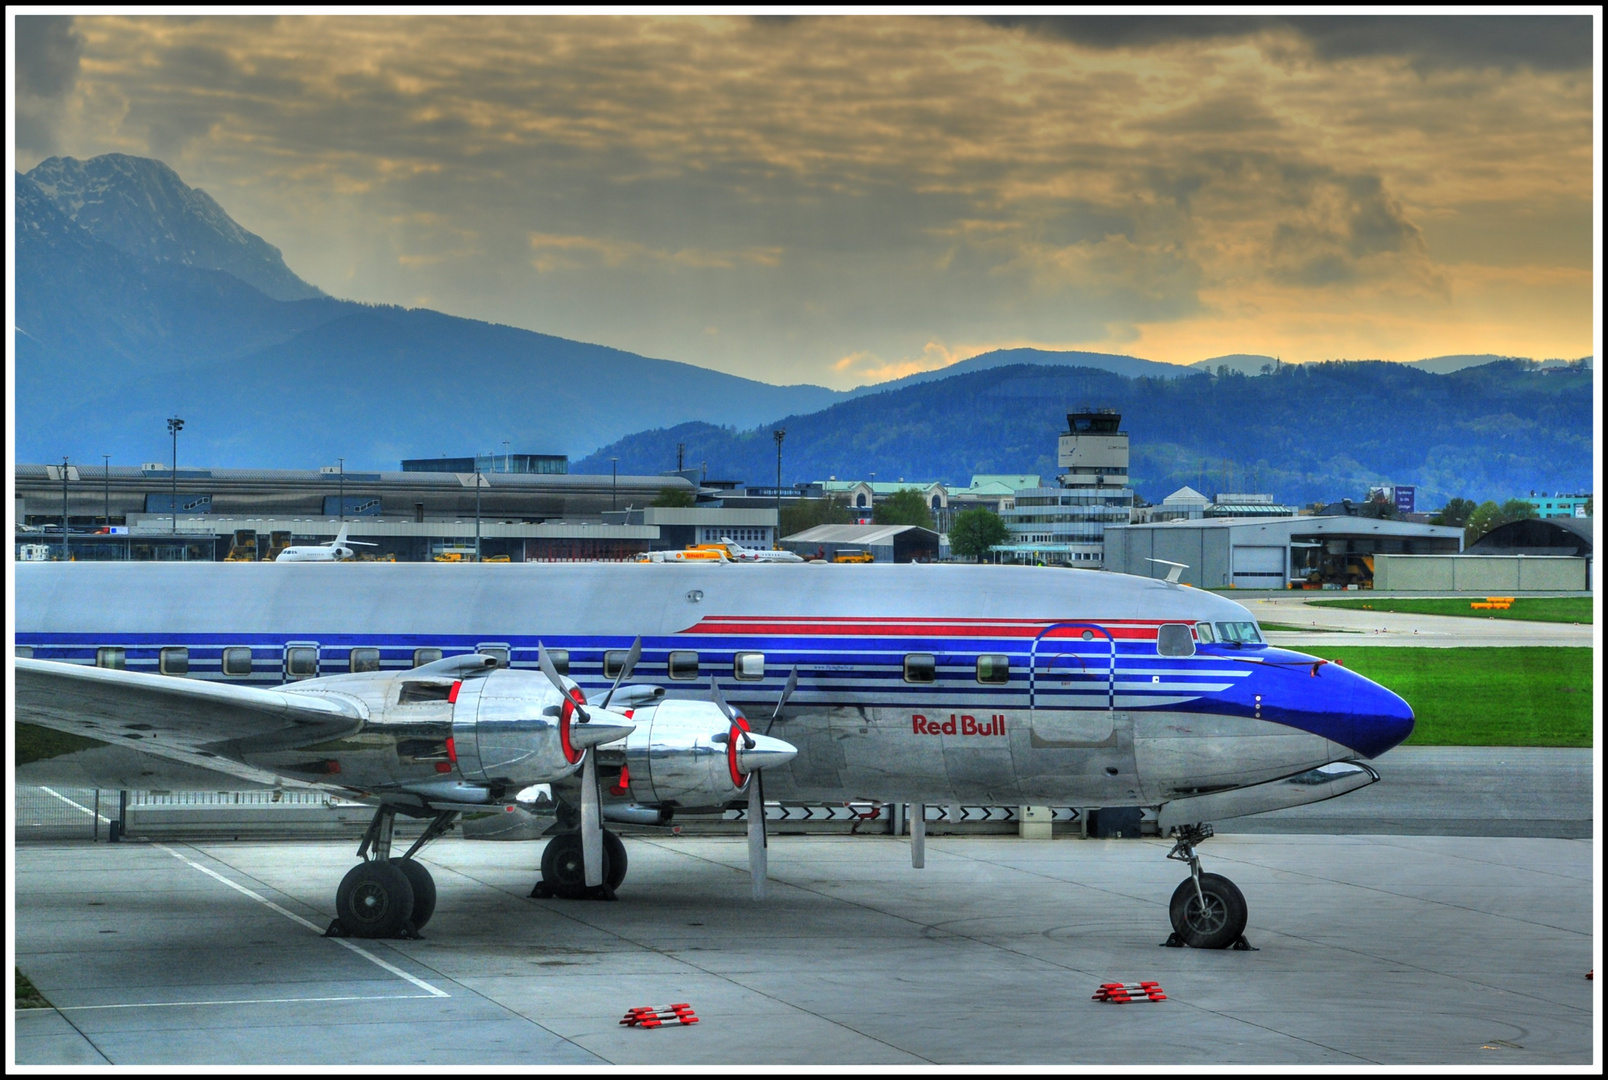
(1303, 433)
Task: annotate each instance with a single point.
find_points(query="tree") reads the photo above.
(674, 497)
(807, 513)
(1488, 516)
(975, 531)
(1455, 512)
(907, 507)
(1588, 505)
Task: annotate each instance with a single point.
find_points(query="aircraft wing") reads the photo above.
(182, 719)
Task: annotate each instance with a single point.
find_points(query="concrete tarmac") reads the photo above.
(1394, 950)
(1348, 626)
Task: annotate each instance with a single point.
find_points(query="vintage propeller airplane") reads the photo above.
(432, 694)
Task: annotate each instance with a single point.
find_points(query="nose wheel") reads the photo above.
(1207, 910)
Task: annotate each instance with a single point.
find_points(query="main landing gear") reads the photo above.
(564, 868)
(1207, 910)
(382, 897)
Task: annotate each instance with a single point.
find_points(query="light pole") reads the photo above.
(64, 508)
(778, 434)
(106, 476)
(507, 462)
(175, 425)
(341, 463)
(477, 511)
(614, 487)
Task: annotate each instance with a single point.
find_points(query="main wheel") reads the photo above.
(374, 900)
(564, 865)
(424, 891)
(614, 861)
(1215, 925)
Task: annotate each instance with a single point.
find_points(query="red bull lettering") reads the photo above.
(958, 725)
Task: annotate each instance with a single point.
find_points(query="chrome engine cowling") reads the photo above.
(687, 753)
(514, 729)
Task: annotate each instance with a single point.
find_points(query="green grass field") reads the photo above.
(1532, 696)
(1568, 609)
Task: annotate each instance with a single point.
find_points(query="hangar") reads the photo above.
(1257, 553)
(886, 543)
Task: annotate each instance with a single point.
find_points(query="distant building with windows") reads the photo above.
(1558, 505)
(994, 491)
(544, 464)
(1066, 525)
(1247, 504)
(862, 496)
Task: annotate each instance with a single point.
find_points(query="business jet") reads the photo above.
(739, 553)
(336, 550)
(431, 694)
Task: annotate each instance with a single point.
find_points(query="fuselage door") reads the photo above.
(1072, 684)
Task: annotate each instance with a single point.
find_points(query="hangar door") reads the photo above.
(1259, 567)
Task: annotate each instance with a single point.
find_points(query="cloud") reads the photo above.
(824, 188)
(48, 51)
(1542, 42)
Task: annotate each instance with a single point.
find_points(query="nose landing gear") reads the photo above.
(1207, 910)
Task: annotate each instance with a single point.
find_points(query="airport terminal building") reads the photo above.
(154, 513)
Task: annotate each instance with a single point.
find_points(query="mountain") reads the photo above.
(136, 308)
(1445, 365)
(1239, 363)
(1131, 366)
(141, 207)
(1303, 433)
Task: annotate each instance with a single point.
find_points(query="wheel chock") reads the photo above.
(650, 1016)
(1123, 993)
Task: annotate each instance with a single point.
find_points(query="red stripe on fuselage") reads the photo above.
(1124, 629)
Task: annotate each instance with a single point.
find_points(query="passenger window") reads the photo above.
(560, 659)
(174, 661)
(1174, 639)
(749, 665)
(994, 669)
(613, 663)
(301, 662)
(365, 660)
(920, 668)
(1204, 632)
(24, 651)
(683, 665)
(422, 657)
(237, 661)
(111, 657)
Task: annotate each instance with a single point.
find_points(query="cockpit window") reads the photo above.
(1174, 639)
(1240, 633)
(1204, 632)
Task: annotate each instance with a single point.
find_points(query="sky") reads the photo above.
(847, 199)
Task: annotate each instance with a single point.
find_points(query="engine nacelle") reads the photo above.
(686, 753)
(513, 728)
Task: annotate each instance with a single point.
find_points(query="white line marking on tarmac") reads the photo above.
(245, 1001)
(74, 805)
(291, 915)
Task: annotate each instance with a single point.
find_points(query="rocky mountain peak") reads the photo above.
(141, 206)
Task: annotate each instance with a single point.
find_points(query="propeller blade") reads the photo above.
(631, 659)
(757, 861)
(720, 701)
(545, 662)
(591, 823)
(787, 692)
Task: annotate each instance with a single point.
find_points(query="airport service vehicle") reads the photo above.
(336, 550)
(604, 688)
(853, 555)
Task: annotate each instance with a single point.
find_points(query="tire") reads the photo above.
(1222, 921)
(374, 900)
(564, 866)
(424, 891)
(614, 860)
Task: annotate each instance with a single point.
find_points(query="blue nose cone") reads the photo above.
(1379, 718)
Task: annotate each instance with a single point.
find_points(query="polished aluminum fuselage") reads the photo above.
(1090, 711)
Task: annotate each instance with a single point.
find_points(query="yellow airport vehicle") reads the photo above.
(853, 555)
